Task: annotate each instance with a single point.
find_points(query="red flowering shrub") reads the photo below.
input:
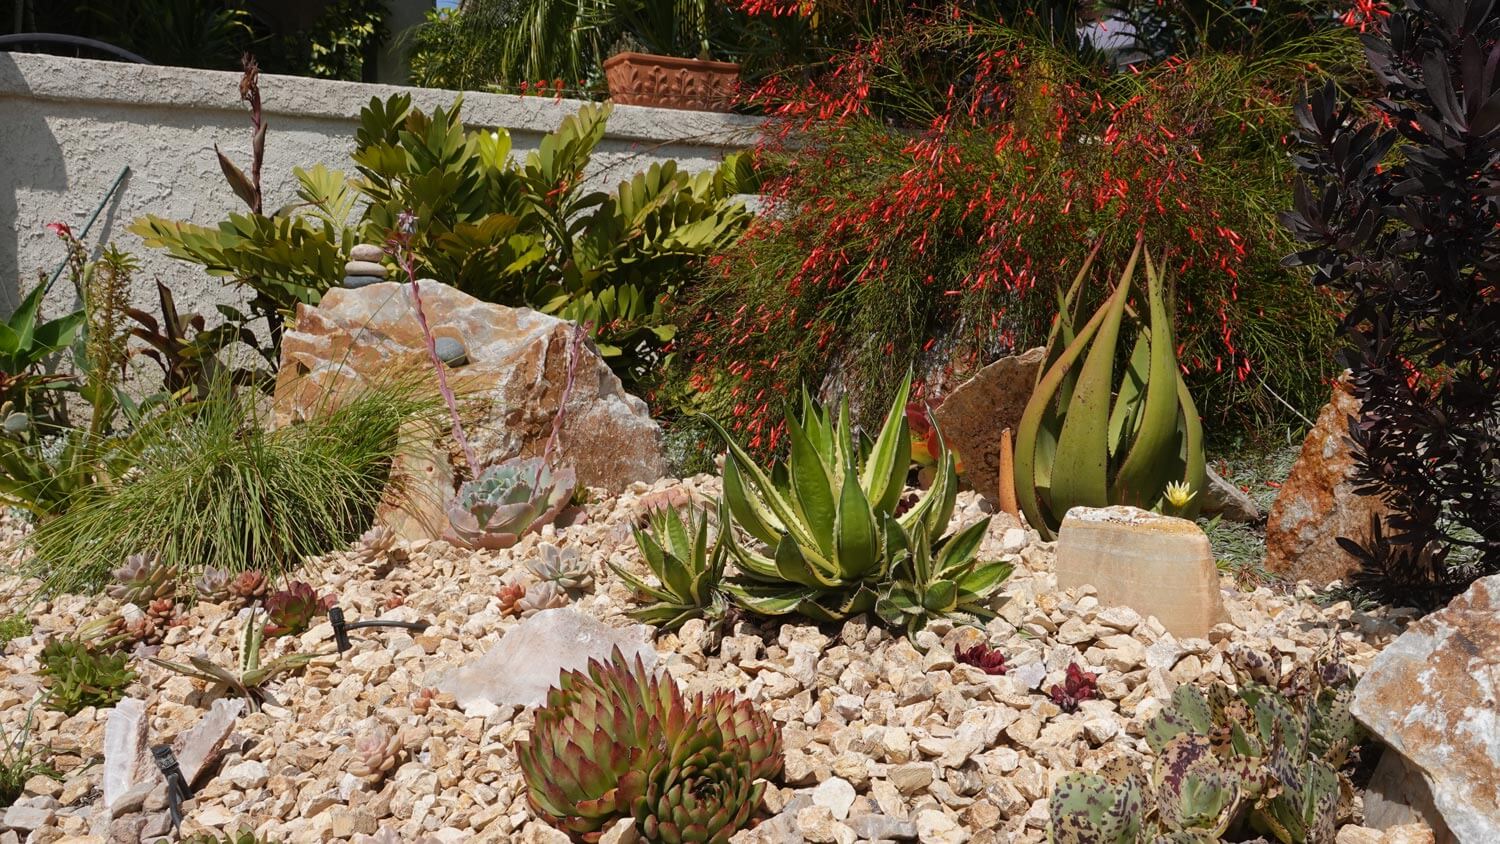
(941, 246)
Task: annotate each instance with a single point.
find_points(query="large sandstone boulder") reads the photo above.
(974, 414)
(1432, 697)
(511, 381)
(1317, 503)
(1156, 565)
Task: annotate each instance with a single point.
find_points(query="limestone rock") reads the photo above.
(520, 669)
(1223, 498)
(510, 388)
(1129, 555)
(1431, 697)
(1317, 503)
(974, 414)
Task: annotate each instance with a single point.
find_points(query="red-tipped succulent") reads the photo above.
(291, 610)
(1077, 687)
(983, 657)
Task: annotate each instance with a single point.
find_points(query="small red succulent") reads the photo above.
(291, 610)
(1077, 687)
(983, 657)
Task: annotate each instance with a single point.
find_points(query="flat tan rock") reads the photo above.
(974, 414)
(1156, 565)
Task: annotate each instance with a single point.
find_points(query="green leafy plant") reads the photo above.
(828, 518)
(78, 676)
(244, 836)
(211, 485)
(249, 677)
(14, 626)
(186, 349)
(1086, 439)
(689, 571)
(620, 741)
(19, 761)
(26, 341)
(508, 501)
(1265, 759)
(945, 581)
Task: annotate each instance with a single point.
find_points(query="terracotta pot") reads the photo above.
(668, 82)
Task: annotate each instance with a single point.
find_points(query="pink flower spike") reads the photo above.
(61, 230)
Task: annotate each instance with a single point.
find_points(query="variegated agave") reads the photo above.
(619, 741)
(828, 517)
(689, 570)
(508, 501)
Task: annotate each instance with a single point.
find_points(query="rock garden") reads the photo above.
(509, 510)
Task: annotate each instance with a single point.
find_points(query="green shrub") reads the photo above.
(212, 486)
(78, 676)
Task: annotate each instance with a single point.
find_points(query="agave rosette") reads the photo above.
(827, 518)
(941, 580)
(688, 570)
(508, 501)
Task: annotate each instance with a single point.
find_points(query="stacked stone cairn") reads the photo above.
(364, 267)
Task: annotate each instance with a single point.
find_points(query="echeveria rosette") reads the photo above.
(596, 742)
(509, 500)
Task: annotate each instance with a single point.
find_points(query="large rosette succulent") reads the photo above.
(509, 500)
(620, 742)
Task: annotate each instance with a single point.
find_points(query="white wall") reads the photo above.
(67, 127)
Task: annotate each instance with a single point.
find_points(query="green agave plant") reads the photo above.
(942, 580)
(620, 741)
(1087, 439)
(687, 568)
(828, 516)
(249, 678)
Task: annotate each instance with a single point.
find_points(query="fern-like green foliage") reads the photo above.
(518, 232)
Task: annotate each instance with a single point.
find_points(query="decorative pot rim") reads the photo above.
(670, 61)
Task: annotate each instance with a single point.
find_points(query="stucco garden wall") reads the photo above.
(68, 126)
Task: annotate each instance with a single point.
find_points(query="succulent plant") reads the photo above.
(78, 676)
(1229, 763)
(1077, 686)
(213, 585)
(291, 610)
(508, 501)
(827, 519)
(565, 567)
(377, 752)
(619, 741)
(510, 596)
(249, 676)
(541, 596)
(945, 581)
(249, 586)
(142, 579)
(689, 572)
(983, 657)
(380, 539)
(1085, 439)
(423, 699)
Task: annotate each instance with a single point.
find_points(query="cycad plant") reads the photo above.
(1088, 439)
(829, 518)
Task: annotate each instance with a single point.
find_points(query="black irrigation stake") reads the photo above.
(341, 627)
(177, 788)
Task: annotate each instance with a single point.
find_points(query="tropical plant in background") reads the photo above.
(689, 571)
(832, 527)
(248, 678)
(189, 353)
(1088, 439)
(508, 501)
(1262, 759)
(1398, 213)
(620, 741)
(934, 243)
(27, 341)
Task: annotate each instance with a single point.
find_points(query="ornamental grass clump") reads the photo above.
(620, 741)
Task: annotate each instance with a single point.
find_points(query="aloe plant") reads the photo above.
(1088, 439)
(828, 518)
(249, 677)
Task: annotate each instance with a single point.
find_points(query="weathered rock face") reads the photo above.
(1156, 565)
(1432, 697)
(1317, 503)
(511, 386)
(973, 415)
(1223, 498)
